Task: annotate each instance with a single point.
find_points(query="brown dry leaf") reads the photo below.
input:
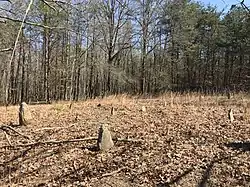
(187, 141)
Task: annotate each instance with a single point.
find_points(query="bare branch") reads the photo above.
(7, 137)
(34, 24)
(113, 172)
(7, 1)
(7, 10)
(54, 142)
(71, 141)
(5, 50)
(50, 6)
(244, 6)
(60, 3)
(4, 127)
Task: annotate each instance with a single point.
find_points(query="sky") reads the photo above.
(224, 4)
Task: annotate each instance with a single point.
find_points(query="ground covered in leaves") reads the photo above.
(184, 141)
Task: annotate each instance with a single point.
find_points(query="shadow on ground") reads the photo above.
(243, 146)
(176, 179)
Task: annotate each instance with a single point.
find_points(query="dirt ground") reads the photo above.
(183, 140)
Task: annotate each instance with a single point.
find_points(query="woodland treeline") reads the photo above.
(70, 50)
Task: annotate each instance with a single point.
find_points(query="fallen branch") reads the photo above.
(108, 174)
(75, 169)
(5, 50)
(113, 172)
(4, 127)
(7, 137)
(68, 141)
(53, 142)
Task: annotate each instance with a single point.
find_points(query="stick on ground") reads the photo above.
(4, 127)
(113, 172)
(7, 137)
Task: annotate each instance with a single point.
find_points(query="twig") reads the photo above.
(5, 50)
(108, 174)
(244, 6)
(68, 141)
(7, 1)
(35, 24)
(75, 169)
(1, 8)
(7, 137)
(50, 6)
(54, 142)
(4, 127)
(113, 172)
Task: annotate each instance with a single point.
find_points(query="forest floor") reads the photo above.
(185, 140)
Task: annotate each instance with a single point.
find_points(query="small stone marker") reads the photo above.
(246, 110)
(143, 109)
(104, 141)
(70, 105)
(201, 98)
(112, 111)
(230, 115)
(245, 115)
(228, 95)
(24, 114)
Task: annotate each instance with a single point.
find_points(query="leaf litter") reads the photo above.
(184, 143)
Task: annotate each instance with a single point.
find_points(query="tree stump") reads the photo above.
(104, 141)
(25, 116)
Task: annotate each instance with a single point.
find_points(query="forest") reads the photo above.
(72, 50)
(124, 93)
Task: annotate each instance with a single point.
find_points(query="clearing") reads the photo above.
(185, 140)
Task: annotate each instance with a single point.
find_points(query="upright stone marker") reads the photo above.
(230, 115)
(143, 109)
(112, 111)
(104, 141)
(24, 114)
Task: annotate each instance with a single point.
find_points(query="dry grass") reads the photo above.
(187, 141)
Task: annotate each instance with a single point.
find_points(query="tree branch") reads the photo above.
(7, 1)
(5, 50)
(50, 6)
(7, 10)
(70, 141)
(7, 137)
(4, 127)
(53, 142)
(244, 6)
(113, 172)
(33, 24)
